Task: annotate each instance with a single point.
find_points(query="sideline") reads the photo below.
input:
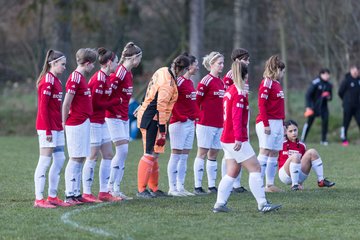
(66, 218)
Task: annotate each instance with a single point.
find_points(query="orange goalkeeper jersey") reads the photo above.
(160, 98)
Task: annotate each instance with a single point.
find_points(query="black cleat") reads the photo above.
(268, 207)
(221, 208)
(159, 193)
(212, 190)
(296, 187)
(144, 194)
(199, 191)
(240, 189)
(325, 183)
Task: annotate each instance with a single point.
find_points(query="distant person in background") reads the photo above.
(242, 55)
(76, 112)
(295, 162)
(99, 134)
(317, 97)
(50, 130)
(270, 120)
(152, 117)
(349, 92)
(209, 96)
(182, 130)
(117, 117)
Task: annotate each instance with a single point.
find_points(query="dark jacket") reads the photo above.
(314, 96)
(349, 91)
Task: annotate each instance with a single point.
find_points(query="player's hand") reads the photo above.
(161, 140)
(49, 138)
(308, 112)
(237, 146)
(267, 130)
(325, 94)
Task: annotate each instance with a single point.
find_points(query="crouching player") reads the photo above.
(295, 162)
(235, 142)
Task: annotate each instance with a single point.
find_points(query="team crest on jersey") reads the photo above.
(87, 92)
(280, 94)
(73, 86)
(99, 91)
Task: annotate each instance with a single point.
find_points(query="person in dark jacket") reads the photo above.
(349, 92)
(317, 97)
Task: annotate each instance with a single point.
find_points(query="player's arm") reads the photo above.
(46, 91)
(237, 119)
(200, 94)
(342, 88)
(309, 96)
(66, 107)
(263, 96)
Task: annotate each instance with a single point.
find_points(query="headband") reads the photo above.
(57, 59)
(136, 55)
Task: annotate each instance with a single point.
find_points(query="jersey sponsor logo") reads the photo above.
(263, 95)
(58, 96)
(192, 96)
(219, 93)
(99, 91)
(280, 94)
(128, 90)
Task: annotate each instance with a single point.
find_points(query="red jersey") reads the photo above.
(236, 116)
(122, 87)
(81, 106)
(49, 104)
(270, 101)
(228, 81)
(100, 87)
(290, 148)
(209, 96)
(185, 106)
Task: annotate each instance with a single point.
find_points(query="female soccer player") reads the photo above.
(152, 116)
(243, 56)
(269, 122)
(295, 162)
(182, 130)
(50, 130)
(117, 117)
(210, 93)
(77, 109)
(99, 134)
(237, 149)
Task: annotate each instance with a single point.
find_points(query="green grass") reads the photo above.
(311, 214)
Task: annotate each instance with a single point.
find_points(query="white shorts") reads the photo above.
(78, 139)
(119, 129)
(58, 139)
(245, 152)
(285, 178)
(182, 134)
(275, 140)
(208, 137)
(99, 134)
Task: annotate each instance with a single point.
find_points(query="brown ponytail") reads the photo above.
(51, 55)
(129, 51)
(105, 55)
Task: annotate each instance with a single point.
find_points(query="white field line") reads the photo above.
(66, 218)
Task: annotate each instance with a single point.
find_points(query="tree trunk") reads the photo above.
(197, 9)
(284, 58)
(63, 32)
(241, 16)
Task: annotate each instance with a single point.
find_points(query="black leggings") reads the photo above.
(151, 133)
(324, 125)
(349, 112)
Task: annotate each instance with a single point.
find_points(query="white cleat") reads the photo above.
(185, 192)
(176, 193)
(121, 195)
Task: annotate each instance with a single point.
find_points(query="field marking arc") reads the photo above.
(66, 219)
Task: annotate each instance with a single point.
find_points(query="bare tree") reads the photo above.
(197, 8)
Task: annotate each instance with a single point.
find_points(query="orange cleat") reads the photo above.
(43, 204)
(107, 197)
(57, 202)
(89, 198)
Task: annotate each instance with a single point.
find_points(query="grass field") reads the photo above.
(313, 213)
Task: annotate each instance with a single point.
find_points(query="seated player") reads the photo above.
(295, 162)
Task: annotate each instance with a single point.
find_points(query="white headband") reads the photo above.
(136, 55)
(56, 59)
(214, 57)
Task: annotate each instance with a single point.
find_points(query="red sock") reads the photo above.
(144, 170)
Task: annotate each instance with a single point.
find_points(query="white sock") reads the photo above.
(263, 162)
(317, 166)
(40, 176)
(271, 168)
(295, 169)
(71, 177)
(124, 149)
(54, 173)
(181, 169)
(224, 190)
(223, 167)
(104, 174)
(172, 170)
(198, 171)
(211, 170)
(88, 175)
(256, 184)
(78, 168)
(237, 182)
